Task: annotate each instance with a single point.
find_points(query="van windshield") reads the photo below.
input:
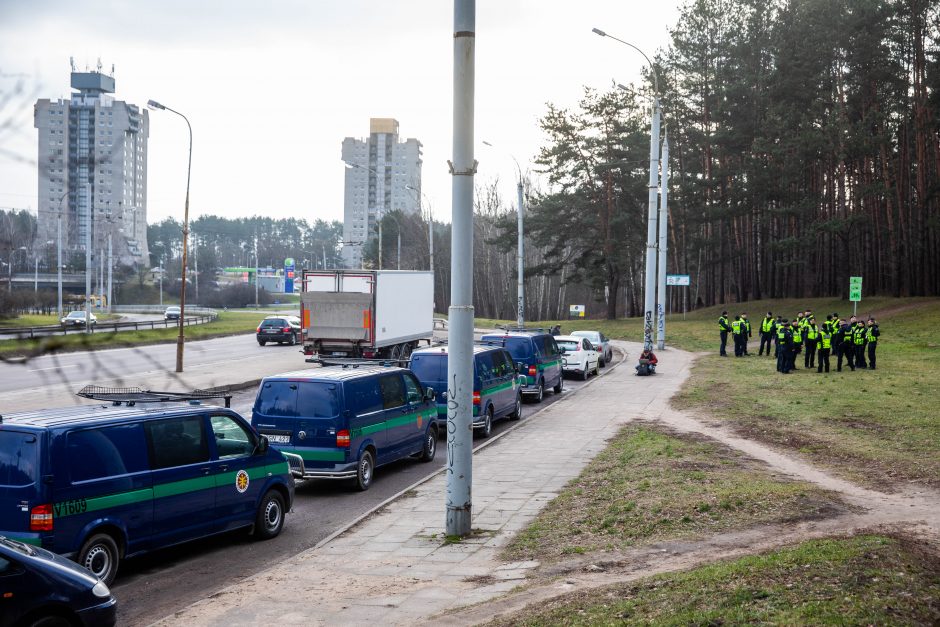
(429, 367)
(19, 457)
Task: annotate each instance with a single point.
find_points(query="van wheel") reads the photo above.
(100, 555)
(50, 621)
(261, 342)
(487, 429)
(430, 445)
(561, 385)
(270, 518)
(364, 471)
(517, 411)
(541, 393)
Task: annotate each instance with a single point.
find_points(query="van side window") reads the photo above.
(231, 439)
(177, 442)
(106, 452)
(485, 365)
(363, 396)
(412, 388)
(393, 391)
(277, 398)
(551, 346)
(502, 357)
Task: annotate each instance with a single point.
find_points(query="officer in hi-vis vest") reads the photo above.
(872, 335)
(825, 346)
(723, 328)
(767, 331)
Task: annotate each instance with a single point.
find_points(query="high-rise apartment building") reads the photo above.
(93, 170)
(383, 174)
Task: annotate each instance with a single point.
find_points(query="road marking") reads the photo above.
(54, 368)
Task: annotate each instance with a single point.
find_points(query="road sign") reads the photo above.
(677, 279)
(855, 288)
(576, 311)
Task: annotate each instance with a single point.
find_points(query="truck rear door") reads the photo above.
(20, 482)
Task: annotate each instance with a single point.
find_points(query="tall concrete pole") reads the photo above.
(460, 342)
(520, 280)
(663, 245)
(110, 266)
(649, 307)
(88, 269)
(58, 258)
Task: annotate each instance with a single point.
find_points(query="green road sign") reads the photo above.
(855, 288)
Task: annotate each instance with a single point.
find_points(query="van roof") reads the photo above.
(442, 350)
(499, 334)
(97, 414)
(335, 373)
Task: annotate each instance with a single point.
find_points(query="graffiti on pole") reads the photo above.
(648, 331)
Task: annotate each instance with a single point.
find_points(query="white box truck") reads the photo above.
(380, 314)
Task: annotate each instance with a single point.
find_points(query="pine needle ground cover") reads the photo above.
(863, 580)
(649, 485)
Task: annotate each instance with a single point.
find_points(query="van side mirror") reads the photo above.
(429, 394)
(263, 445)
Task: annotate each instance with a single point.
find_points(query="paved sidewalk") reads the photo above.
(394, 568)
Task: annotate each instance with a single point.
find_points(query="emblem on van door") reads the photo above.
(241, 481)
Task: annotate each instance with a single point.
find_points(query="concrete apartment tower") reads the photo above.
(379, 171)
(93, 169)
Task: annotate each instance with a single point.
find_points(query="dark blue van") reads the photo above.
(537, 357)
(497, 387)
(345, 421)
(102, 483)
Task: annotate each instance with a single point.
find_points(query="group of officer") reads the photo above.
(849, 339)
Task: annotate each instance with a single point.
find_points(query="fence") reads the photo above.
(22, 333)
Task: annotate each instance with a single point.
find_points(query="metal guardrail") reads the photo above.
(23, 333)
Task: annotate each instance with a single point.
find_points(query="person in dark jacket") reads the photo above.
(846, 347)
(747, 333)
(724, 327)
(872, 335)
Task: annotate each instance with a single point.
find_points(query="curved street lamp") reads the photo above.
(180, 340)
(650, 289)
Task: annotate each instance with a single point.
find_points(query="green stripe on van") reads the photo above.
(72, 507)
(498, 387)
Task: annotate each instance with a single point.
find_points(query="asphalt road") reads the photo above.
(158, 584)
(130, 317)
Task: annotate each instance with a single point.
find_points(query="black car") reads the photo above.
(38, 587)
(280, 329)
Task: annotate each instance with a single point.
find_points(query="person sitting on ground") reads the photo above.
(647, 365)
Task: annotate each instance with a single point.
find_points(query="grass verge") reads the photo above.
(877, 427)
(227, 323)
(864, 580)
(649, 485)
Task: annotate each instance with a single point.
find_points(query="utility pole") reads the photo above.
(36, 274)
(650, 295)
(196, 264)
(110, 266)
(520, 282)
(256, 271)
(381, 220)
(460, 352)
(58, 257)
(663, 244)
(88, 270)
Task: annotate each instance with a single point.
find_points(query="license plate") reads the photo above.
(277, 439)
(339, 354)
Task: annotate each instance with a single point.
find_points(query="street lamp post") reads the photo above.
(520, 251)
(58, 252)
(650, 295)
(180, 340)
(430, 235)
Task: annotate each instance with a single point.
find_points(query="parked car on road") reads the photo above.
(172, 312)
(280, 329)
(345, 421)
(537, 356)
(102, 483)
(38, 587)
(497, 388)
(601, 343)
(580, 356)
(77, 319)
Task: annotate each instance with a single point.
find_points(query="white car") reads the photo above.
(172, 313)
(579, 355)
(600, 342)
(77, 318)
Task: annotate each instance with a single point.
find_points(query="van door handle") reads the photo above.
(224, 467)
(205, 470)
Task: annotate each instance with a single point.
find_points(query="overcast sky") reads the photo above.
(272, 88)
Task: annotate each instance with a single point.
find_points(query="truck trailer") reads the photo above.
(380, 314)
